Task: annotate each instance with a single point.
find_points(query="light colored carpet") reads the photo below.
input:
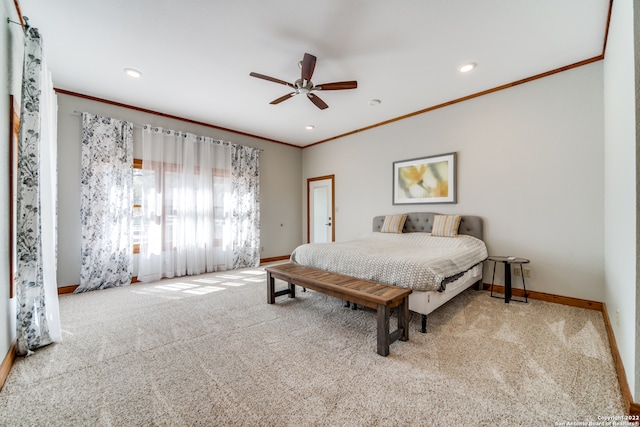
(209, 350)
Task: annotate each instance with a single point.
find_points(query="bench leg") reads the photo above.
(271, 289)
(383, 330)
(292, 290)
(272, 294)
(424, 323)
(403, 319)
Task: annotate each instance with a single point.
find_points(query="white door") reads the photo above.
(320, 215)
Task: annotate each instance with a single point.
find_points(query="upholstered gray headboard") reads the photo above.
(423, 221)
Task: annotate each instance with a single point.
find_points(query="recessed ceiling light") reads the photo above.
(375, 102)
(132, 72)
(309, 127)
(468, 67)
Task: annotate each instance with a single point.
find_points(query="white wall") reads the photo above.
(530, 162)
(11, 52)
(280, 175)
(620, 184)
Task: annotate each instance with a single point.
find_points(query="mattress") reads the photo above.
(417, 261)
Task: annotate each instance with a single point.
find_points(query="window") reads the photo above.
(221, 184)
(136, 224)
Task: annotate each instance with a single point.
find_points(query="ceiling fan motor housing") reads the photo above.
(303, 89)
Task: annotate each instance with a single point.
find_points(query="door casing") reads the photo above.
(332, 201)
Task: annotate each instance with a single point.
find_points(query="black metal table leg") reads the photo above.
(507, 283)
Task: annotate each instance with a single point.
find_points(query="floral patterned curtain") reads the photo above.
(37, 315)
(106, 202)
(245, 198)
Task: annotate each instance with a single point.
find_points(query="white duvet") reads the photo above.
(417, 261)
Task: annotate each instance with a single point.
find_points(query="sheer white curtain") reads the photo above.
(38, 319)
(186, 209)
(49, 202)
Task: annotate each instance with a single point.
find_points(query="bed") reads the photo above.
(401, 250)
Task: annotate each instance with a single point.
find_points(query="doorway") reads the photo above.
(320, 209)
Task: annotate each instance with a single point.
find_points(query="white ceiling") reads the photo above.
(196, 55)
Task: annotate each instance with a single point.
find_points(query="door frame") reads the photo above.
(333, 205)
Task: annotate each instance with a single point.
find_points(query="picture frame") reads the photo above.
(425, 180)
(14, 135)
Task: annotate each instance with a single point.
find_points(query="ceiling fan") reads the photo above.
(304, 85)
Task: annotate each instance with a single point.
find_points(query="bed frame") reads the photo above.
(425, 303)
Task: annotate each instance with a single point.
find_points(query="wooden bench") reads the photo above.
(378, 296)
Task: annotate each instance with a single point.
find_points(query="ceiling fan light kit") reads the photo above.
(305, 86)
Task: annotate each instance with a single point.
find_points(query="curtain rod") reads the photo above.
(79, 113)
(24, 26)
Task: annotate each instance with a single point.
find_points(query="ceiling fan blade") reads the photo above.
(271, 79)
(319, 102)
(337, 85)
(308, 65)
(282, 98)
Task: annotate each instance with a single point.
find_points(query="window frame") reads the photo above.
(137, 164)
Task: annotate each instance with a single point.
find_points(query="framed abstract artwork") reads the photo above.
(425, 180)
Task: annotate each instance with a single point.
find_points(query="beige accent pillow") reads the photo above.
(446, 225)
(393, 223)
